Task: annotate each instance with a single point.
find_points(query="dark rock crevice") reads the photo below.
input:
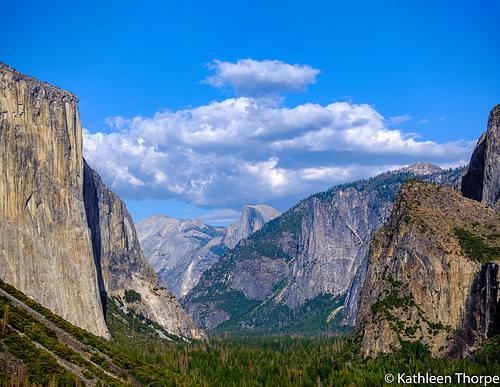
(482, 313)
(472, 181)
(92, 211)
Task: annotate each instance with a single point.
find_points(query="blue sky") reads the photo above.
(195, 108)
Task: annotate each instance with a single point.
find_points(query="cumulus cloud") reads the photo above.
(256, 78)
(246, 151)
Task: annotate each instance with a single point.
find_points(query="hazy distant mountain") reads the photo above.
(181, 250)
(252, 219)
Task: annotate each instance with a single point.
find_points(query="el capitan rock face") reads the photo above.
(66, 240)
(45, 244)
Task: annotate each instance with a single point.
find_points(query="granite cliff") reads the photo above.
(304, 269)
(121, 264)
(482, 180)
(180, 251)
(427, 272)
(252, 218)
(46, 247)
(67, 241)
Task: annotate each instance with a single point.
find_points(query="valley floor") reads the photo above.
(314, 361)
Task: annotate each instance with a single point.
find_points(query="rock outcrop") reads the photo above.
(482, 180)
(430, 275)
(252, 219)
(66, 240)
(45, 243)
(180, 251)
(121, 262)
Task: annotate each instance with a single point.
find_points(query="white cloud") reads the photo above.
(221, 216)
(423, 121)
(394, 121)
(250, 149)
(244, 150)
(251, 77)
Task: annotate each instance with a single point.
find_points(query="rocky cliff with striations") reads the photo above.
(45, 243)
(482, 180)
(432, 275)
(121, 264)
(180, 251)
(66, 240)
(305, 267)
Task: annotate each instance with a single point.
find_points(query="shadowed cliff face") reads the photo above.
(482, 312)
(121, 264)
(45, 245)
(482, 180)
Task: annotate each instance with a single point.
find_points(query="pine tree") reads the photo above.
(5, 323)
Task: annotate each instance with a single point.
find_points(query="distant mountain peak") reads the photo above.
(181, 250)
(422, 168)
(252, 219)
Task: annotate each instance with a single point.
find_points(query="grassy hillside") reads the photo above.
(38, 347)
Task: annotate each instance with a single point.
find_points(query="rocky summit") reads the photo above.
(66, 240)
(252, 219)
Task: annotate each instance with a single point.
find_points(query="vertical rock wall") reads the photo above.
(45, 245)
(482, 180)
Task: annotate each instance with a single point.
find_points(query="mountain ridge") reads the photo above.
(262, 282)
(432, 276)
